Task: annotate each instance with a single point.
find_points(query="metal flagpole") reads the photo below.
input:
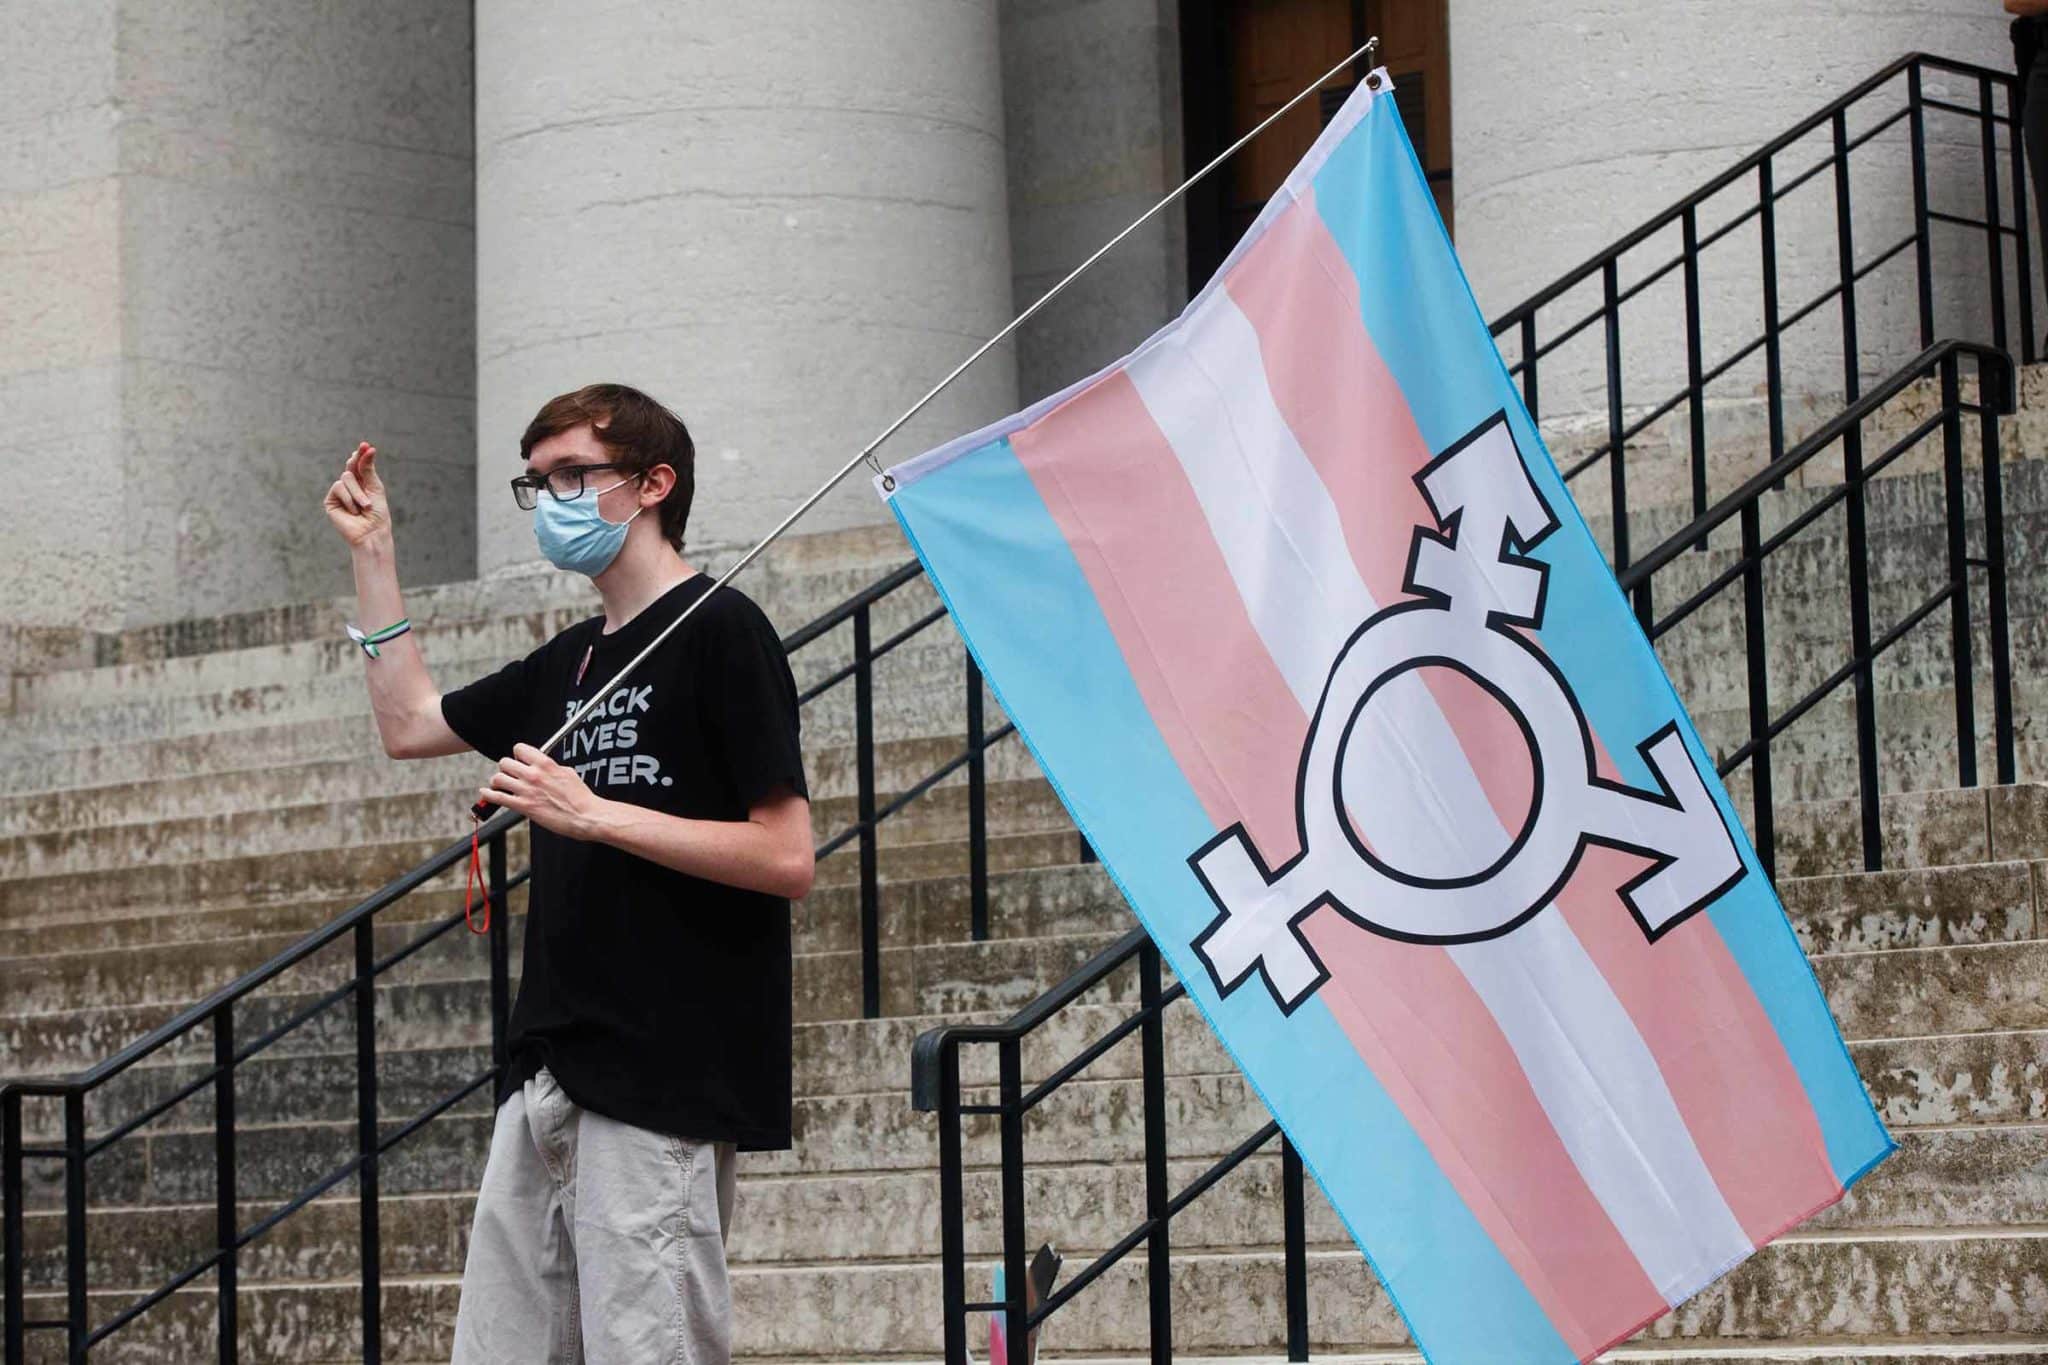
(483, 808)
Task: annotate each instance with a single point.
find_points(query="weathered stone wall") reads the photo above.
(1574, 122)
(786, 219)
(234, 237)
(1091, 95)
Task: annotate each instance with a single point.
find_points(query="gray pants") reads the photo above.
(596, 1241)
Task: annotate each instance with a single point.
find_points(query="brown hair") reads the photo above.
(637, 432)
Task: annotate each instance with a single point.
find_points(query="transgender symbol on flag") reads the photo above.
(1474, 584)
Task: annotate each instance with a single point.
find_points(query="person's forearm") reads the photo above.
(2027, 9)
(400, 687)
(740, 853)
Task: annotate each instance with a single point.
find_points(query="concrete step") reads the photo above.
(1916, 743)
(871, 549)
(1963, 1079)
(299, 622)
(936, 909)
(1809, 1289)
(331, 872)
(916, 979)
(1974, 903)
(1967, 995)
(1034, 904)
(332, 763)
(1659, 466)
(321, 873)
(1706, 654)
(1836, 912)
(1973, 1080)
(333, 655)
(1940, 827)
(1902, 992)
(917, 685)
(459, 643)
(297, 824)
(893, 1216)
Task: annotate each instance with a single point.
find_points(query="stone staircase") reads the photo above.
(186, 802)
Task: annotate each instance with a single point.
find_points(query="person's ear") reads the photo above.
(656, 484)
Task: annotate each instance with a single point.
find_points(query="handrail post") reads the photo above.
(1294, 1206)
(1958, 572)
(501, 954)
(226, 1230)
(75, 1321)
(366, 1141)
(1859, 548)
(1158, 1248)
(1759, 687)
(1774, 362)
(1644, 600)
(1994, 248)
(1016, 1317)
(1617, 468)
(2022, 232)
(1845, 258)
(977, 808)
(12, 1240)
(864, 768)
(1529, 363)
(1695, 366)
(1994, 574)
(1923, 254)
(952, 1209)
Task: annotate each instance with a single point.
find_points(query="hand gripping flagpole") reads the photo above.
(482, 809)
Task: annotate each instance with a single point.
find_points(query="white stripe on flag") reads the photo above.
(1273, 519)
(1206, 388)
(1590, 1068)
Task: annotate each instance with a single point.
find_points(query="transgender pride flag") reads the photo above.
(1295, 612)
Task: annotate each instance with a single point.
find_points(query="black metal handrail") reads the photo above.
(1997, 392)
(935, 1086)
(374, 1136)
(935, 1058)
(1523, 325)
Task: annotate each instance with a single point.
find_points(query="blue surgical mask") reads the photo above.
(574, 535)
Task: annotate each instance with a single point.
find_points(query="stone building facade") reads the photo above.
(237, 235)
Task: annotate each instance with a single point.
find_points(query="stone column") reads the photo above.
(1092, 102)
(785, 219)
(234, 237)
(1575, 121)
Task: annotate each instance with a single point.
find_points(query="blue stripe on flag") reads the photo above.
(1020, 598)
(1445, 362)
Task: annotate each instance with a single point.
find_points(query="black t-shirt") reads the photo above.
(655, 998)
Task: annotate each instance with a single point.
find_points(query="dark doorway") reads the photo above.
(1242, 59)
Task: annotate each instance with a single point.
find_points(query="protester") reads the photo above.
(651, 1036)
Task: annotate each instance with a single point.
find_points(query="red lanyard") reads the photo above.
(474, 882)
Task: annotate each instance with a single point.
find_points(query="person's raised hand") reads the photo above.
(355, 502)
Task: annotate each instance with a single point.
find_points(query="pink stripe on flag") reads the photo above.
(1118, 495)
(1140, 537)
(1298, 290)
(1713, 1041)
(1429, 1038)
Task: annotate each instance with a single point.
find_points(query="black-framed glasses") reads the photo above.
(564, 483)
